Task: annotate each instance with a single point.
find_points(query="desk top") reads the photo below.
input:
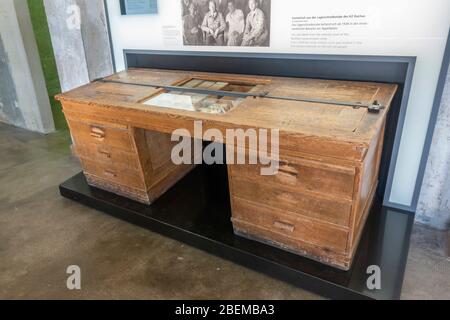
(310, 120)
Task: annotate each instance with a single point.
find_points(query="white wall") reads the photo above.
(393, 28)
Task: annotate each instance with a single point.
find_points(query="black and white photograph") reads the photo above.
(233, 23)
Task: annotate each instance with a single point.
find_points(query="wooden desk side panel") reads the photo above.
(159, 171)
(366, 185)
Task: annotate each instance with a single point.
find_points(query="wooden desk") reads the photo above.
(329, 154)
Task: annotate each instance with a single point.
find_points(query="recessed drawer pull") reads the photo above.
(288, 171)
(97, 133)
(287, 175)
(285, 168)
(284, 226)
(106, 154)
(111, 174)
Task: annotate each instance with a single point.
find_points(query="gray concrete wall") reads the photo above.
(23, 95)
(94, 31)
(434, 201)
(82, 51)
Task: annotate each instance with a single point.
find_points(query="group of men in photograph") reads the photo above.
(226, 22)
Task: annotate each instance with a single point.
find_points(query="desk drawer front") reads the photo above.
(101, 134)
(286, 229)
(331, 210)
(304, 175)
(114, 173)
(107, 155)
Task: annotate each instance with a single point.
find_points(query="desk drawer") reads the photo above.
(107, 155)
(302, 174)
(113, 135)
(333, 210)
(114, 173)
(287, 230)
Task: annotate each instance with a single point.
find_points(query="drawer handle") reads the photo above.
(288, 171)
(97, 133)
(106, 154)
(284, 226)
(285, 168)
(111, 174)
(287, 175)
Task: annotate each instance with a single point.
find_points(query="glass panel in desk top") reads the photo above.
(201, 102)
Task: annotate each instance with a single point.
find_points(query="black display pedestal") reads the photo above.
(196, 211)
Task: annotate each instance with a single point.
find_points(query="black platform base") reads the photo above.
(197, 211)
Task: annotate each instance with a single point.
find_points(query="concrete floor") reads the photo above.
(41, 234)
